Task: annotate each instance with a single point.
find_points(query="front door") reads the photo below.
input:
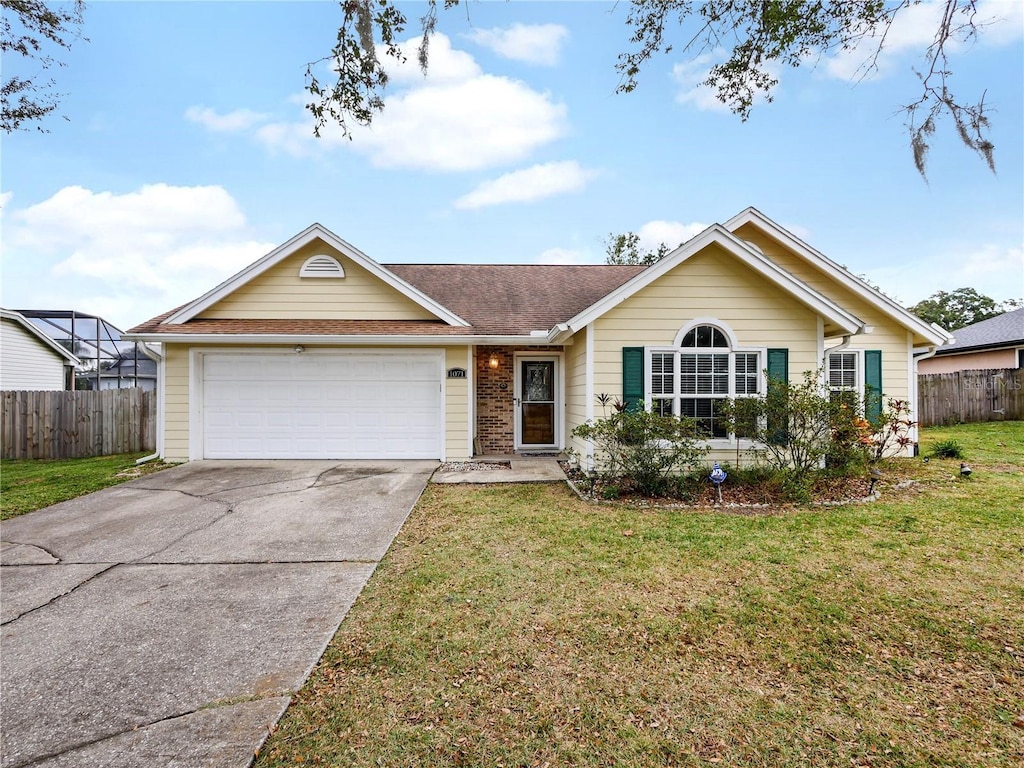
(537, 409)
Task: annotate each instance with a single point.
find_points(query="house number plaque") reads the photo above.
(456, 373)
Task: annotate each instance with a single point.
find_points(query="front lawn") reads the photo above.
(520, 626)
(27, 485)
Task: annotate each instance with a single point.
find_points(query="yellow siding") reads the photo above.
(458, 446)
(710, 284)
(176, 380)
(888, 336)
(575, 388)
(280, 294)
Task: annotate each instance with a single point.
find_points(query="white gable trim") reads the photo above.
(879, 300)
(17, 317)
(718, 235)
(308, 235)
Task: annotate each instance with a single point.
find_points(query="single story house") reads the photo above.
(31, 360)
(994, 343)
(131, 368)
(318, 351)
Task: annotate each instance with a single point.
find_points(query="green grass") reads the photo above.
(520, 626)
(998, 442)
(33, 484)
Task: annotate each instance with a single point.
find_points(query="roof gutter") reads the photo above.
(334, 339)
(559, 334)
(150, 352)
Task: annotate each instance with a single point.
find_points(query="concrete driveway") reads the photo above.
(167, 621)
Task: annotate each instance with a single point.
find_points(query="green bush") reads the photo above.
(642, 450)
(948, 449)
(797, 426)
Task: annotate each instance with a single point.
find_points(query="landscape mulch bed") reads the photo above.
(747, 498)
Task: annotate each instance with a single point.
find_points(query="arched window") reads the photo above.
(697, 377)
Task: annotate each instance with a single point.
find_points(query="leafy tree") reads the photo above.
(625, 249)
(956, 309)
(27, 28)
(762, 34)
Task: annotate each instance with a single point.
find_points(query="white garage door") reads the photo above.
(322, 406)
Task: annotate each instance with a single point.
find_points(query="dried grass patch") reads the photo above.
(520, 626)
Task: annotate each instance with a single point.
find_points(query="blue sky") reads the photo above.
(187, 154)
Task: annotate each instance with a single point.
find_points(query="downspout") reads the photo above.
(837, 348)
(932, 351)
(156, 357)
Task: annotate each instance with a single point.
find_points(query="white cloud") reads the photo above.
(690, 76)
(995, 270)
(129, 257)
(231, 122)
(913, 29)
(5, 198)
(457, 118)
(671, 233)
(445, 63)
(480, 123)
(528, 185)
(532, 43)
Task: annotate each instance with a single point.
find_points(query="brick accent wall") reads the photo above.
(495, 390)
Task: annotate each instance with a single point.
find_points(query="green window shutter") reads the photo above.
(778, 374)
(632, 376)
(778, 365)
(873, 385)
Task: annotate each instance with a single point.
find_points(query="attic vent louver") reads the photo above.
(321, 265)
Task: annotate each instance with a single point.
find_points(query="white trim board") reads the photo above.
(716, 234)
(873, 297)
(17, 317)
(307, 236)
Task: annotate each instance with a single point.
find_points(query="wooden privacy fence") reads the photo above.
(994, 394)
(67, 425)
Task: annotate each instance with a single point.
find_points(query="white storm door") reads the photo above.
(538, 397)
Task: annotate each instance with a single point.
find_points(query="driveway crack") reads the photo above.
(191, 532)
(226, 490)
(41, 548)
(216, 704)
(54, 599)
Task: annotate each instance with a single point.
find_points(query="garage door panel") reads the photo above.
(322, 406)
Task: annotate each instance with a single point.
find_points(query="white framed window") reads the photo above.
(696, 378)
(845, 375)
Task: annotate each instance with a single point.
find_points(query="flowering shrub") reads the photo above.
(892, 436)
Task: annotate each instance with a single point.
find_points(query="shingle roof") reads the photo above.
(496, 299)
(1006, 329)
(514, 299)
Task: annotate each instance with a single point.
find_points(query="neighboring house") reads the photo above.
(131, 368)
(31, 360)
(318, 351)
(994, 343)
